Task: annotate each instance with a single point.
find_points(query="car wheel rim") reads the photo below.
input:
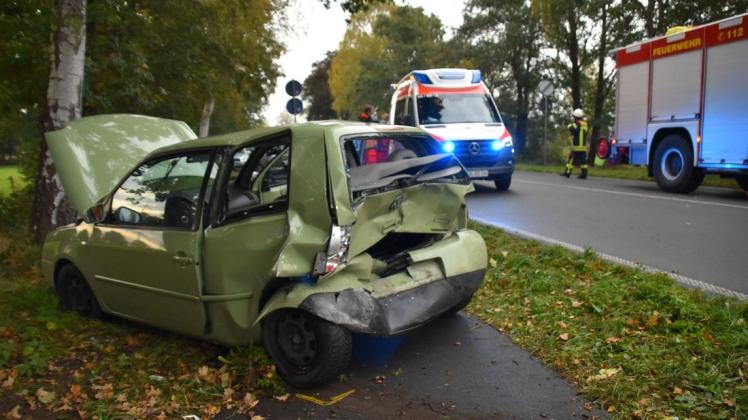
(297, 341)
(672, 163)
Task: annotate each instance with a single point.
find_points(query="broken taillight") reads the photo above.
(337, 248)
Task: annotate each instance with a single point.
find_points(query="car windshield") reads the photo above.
(381, 163)
(456, 108)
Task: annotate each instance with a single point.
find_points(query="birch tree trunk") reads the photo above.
(205, 117)
(64, 104)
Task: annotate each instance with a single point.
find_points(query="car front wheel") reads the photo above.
(75, 294)
(308, 351)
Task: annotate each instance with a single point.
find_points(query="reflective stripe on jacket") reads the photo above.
(578, 131)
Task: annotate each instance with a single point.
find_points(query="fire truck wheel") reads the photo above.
(742, 181)
(673, 166)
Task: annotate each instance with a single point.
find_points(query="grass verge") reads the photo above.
(638, 173)
(55, 363)
(638, 344)
(6, 187)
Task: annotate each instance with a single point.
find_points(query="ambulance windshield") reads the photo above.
(456, 108)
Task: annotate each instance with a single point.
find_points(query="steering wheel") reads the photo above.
(180, 212)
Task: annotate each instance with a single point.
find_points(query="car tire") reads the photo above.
(673, 166)
(503, 182)
(307, 350)
(742, 181)
(456, 309)
(74, 293)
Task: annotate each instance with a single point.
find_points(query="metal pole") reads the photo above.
(545, 128)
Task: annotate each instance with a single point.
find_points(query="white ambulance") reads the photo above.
(455, 107)
(682, 104)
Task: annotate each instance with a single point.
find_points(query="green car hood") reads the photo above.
(93, 154)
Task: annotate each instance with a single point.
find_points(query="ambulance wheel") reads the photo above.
(673, 166)
(307, 350)
(503, 182)
(742, 181)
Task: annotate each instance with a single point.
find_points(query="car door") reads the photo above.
(146, 252)
(251, 225)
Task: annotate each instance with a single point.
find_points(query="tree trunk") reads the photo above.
(576, 72)
(600, 84)
(64, 104)
(205, 117)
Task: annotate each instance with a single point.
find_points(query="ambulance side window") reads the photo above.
(404, 112)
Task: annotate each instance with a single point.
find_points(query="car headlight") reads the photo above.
(497, 145)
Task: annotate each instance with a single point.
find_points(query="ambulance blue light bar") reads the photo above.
(422, 78)
(476, 76)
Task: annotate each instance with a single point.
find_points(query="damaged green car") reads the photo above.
(294, 236)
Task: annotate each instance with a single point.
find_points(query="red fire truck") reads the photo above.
(682, 104)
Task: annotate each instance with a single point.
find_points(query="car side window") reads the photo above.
(164, 192)
(258, 181)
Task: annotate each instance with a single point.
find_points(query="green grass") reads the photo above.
(637, 344)
(6, 172)
(623, 172)
(55, 363)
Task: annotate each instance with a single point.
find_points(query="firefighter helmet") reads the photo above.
(578, 113)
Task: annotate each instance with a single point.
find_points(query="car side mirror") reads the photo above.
(127, 216)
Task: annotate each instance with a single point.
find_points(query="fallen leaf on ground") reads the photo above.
(75, 390)
(604, 374)
(563, 325)
(492, 262)
(612, 409)
(44, 397)
(15, 413)
(564, 336)
(282, 398)
(677, 391)
(8, 382)
(613, 340)
(576, 304)
(652, 320)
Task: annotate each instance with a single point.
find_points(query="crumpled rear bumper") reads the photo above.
(359, 311)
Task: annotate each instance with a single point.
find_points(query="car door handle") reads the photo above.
(182, 259)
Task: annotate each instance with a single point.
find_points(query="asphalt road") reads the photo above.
(454, 367)
(702, 236)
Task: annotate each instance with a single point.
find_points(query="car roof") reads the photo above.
(332, 128)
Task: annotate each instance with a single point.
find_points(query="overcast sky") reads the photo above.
(318, 30)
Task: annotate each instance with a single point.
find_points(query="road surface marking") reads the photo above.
(684, 200)
(683, 280)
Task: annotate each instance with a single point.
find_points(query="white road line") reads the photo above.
(683, 280)
(683, 200)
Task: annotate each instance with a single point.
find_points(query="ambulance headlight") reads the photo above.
(448, 147)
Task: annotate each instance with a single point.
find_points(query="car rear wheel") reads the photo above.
(673, 166)
(503, 182)
(75, 294)
(308, 351)
(742, 181)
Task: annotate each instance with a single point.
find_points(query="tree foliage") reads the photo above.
(379, 48)
(316, 90)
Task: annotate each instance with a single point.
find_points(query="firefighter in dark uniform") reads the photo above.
(578, 155)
